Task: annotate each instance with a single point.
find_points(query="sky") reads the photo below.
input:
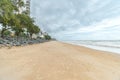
(78, 19)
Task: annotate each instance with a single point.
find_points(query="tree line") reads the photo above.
(13, 19)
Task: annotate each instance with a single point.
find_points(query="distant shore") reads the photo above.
(55, 60)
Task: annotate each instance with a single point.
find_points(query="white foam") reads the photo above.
(110, 46)
(109, 49)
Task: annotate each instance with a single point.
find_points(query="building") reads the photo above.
(26, 8)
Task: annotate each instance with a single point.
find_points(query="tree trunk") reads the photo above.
(30, 36)
(17, 35)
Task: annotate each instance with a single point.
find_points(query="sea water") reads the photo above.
(104, 45)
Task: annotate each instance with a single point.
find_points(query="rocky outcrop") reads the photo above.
(8, 41)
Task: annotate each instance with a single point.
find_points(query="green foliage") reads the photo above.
(6, 13)
(33, 29)
(11, 18)
(7, 33)
(47, 37)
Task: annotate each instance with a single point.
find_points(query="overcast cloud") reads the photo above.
(78, 19)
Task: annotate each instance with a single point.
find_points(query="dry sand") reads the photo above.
(58, 61)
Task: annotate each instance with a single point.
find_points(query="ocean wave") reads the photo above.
(105, 45)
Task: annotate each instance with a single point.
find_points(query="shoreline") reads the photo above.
(93, 49)
(110, 49)
(56, 60)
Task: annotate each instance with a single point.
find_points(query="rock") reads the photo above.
(8, 41)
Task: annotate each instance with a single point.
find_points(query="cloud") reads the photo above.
(75, 18)
(103, 25)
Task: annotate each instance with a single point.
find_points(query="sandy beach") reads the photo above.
(58, 61)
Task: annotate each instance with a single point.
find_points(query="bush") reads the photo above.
(7, 33)
(47, 37)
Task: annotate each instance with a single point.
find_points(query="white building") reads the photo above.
(26, 8)
(41, 35)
